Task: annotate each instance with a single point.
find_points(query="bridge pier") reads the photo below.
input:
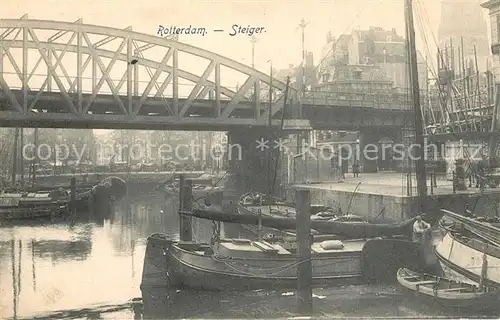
(378, 150)
(250, 167)
(368, 151)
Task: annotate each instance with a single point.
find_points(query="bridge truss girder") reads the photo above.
(164, 72)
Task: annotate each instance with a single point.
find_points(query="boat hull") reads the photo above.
(168, 263)
(344, 229)
(460, 259)
(197, 270)
(32, 213)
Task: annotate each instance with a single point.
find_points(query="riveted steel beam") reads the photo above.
(25, 70)
(54, 75)
(239, 96)
(122, 57)
(151, 39)
(95, 52)
(154, 79)
(197, 88)
(175, 81)
(105, 74)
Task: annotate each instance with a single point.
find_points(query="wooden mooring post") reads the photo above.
(73, 195)
(185, 204)
(304, 270)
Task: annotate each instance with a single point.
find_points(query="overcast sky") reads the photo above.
(281, 43)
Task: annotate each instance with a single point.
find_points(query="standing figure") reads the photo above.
(420, 230)
(355, 169)
(421, 236)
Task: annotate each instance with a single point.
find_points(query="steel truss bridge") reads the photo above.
(55, 74)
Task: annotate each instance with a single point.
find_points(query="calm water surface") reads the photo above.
(91, 263)
(92, 269)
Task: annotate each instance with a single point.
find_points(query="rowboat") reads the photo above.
(448, 292)
(261, 204)
(199, 190)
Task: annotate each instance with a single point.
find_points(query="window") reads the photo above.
(346, 74)
(325, 77)
(357, 75)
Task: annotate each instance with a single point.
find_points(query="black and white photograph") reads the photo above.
(237, 159)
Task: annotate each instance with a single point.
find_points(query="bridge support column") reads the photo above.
(368, 149)
(250, 167)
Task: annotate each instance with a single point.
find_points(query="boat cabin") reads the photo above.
(242, 248)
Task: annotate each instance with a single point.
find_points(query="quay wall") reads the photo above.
(132, 177)
(385, 207)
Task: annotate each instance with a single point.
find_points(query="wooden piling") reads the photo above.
(185, 204)
(73, 195)
(432, 183)
(304, 270)
(454, 179)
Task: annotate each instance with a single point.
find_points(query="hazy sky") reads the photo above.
(281, 43)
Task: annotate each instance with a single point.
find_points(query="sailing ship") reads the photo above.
(448, 292)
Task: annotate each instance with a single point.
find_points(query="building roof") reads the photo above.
(490, 4)
(379, 34)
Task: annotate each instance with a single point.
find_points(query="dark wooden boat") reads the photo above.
(29, 206)
(240, 264)
(448, 292)
(344, 229)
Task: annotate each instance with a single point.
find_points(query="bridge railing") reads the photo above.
(377, 100)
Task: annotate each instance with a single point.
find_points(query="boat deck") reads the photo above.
(259, 249)
(272, 210)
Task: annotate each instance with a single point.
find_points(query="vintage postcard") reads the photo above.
(249, 159)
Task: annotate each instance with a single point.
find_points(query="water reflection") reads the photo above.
(92, 267)
(93, 262)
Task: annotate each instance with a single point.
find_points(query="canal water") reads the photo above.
(92, 268)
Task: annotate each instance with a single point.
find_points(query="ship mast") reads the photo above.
(418, 153)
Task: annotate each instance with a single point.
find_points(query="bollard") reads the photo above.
(454, 179)
(73, 195)
(185, 204)
(304, 270)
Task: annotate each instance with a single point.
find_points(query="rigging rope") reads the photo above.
(468, 158)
